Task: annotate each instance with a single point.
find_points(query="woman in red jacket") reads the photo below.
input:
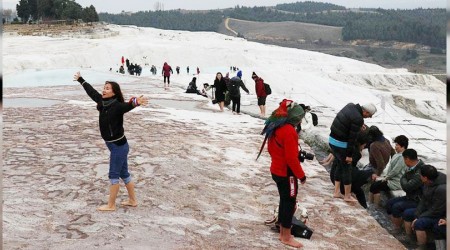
(285, 166)
(260, 93)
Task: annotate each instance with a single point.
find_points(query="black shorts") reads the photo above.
(261, 101)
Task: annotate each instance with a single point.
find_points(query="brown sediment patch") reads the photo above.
(197, 185)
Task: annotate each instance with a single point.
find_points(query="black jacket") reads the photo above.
(411, 183)
(347, 124)
(433, 199)
(111, 113)
(234, 86)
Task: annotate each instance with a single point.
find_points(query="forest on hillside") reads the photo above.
(422, 26)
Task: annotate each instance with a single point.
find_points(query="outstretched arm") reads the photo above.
(92, 93)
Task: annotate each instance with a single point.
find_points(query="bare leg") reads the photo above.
(408, 228)
(111, 206)
(337, 190)
(377, 199)
(348, 194)
(287, 239)
(131, 196)
(397, 222)
(221, 104)
(421, 238)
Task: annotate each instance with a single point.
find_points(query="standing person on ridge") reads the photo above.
(234, 85)
(344, 131)
(285, 166)
(221, 88)
(166, 71)
(111, 107)
(260, 93)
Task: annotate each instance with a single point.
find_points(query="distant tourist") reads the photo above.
(166, 71)
(112, 107)
(221, 88)
(260, 93)
(234, 85)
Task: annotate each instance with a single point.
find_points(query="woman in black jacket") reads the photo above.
(221, 87)
(111, 107)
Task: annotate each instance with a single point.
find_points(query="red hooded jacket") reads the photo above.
(283, 148)
(259, 87)
(166, 69)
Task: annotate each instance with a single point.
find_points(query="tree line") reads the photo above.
(171, 20)
(34, 10)
(422, 26)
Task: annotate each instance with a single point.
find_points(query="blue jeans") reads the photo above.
(343, 170)
(396, 206)
(118, 163)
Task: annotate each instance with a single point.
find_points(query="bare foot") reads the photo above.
(340, 196)
(129, 203)
(106, 208)
(292, 242)
(350, 199)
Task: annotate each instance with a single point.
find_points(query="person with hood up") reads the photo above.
(166, 71)
(234, 85)
(285, 166)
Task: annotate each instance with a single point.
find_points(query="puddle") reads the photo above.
(28, 102)
(176, 104)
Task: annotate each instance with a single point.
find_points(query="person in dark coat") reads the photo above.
(344, 130)
(432, 205)
(359, 177)
(192, 87)
(412, 185)
(112, 107)
(221, 88)
(234, 85)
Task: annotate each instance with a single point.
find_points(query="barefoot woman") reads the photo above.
(111, 107)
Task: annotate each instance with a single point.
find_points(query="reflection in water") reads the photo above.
(28, 102)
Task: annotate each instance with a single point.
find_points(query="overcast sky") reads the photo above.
(115, 6)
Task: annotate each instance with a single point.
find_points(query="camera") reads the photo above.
(302, 155)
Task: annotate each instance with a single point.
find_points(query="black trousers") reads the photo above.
(287, 189)
(378, 186)
(236, 107)
(168, 79)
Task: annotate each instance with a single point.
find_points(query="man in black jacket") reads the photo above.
(432, 205)
(344, 130)
(234, 85)
(412, 185)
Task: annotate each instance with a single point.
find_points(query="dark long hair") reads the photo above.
(116, 90)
